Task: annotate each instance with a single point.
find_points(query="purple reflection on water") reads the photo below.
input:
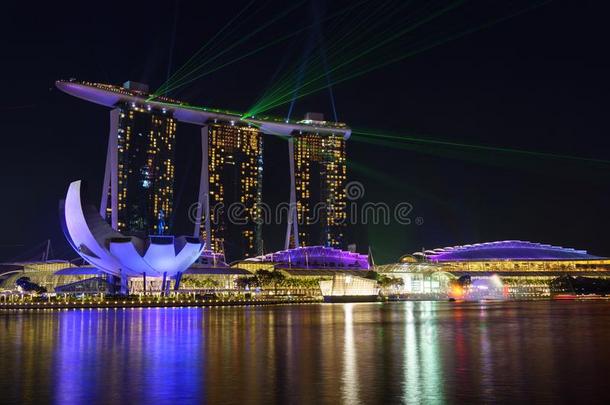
(414, 352)
(156, 352)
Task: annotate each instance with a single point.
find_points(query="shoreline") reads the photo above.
(192, 303)
(154, 304)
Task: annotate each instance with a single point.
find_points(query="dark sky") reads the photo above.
(537, 81)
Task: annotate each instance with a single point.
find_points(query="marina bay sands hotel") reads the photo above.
(138, 187)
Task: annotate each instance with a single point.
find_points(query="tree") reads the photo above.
(397, 282)
(27, 285)
(273, 278)
(263, 277)
(384, 281)
(198, 282)
(277, 278)
(464, 281)
(245, 282)
(372, 275)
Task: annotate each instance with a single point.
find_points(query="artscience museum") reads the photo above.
(121, 256)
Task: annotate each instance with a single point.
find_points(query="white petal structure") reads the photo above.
(119, 255)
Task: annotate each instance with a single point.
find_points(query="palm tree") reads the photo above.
(262, 277)
(277, 278)
(273, 278)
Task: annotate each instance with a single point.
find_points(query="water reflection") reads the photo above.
(412, 352)
(412, 393)
(349, 386)
(429, 343)
(422, 369)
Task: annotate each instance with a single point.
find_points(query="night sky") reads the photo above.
(537, 81)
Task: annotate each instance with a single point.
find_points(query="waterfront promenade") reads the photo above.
(154, 302)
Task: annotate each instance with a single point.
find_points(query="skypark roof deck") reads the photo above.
(110, 95)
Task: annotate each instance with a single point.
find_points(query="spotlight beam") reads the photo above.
(380, 44)
(373, 137)
(314, 85)
(189, 78)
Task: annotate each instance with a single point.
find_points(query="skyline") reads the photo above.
(314, 201)
(550, 201)
(138, 192)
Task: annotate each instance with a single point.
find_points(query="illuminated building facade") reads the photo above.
(313, 257)
(235, 165)
(320, 173)
(419, 280)
(138, 183)
(526, 269)
(305, 267)
(121, 256)
(513, 256)
(45, 273)
(347, 288)
(145, 141)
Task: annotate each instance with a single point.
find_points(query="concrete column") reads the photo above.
(203, 202)
(163, 284)
(178, 279)
(106, 184)
(167, 285)
(124, 283)
(114, 167)
(292, 225)
(112, 281)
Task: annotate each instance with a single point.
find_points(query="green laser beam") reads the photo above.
(380, 44)
(201, 59)
(242, 40)
(344, 12)
(354, 31)
(258, 109)
(576, 170)
(421, 140)
(383, 178)
(206, 45)
(186, 81)
(285, 90)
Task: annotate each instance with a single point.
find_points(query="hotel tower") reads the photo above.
(138, 189)
(235, 170)
(320, 173)
(141, 149)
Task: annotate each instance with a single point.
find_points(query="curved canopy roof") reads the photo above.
(315, 257)
(109, 95)
(113, 253)
(506, 250)
(421, 267)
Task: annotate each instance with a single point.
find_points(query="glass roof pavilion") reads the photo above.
(504, 250)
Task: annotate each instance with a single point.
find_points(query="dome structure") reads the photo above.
(505, 250)
(315, 257)
(120, 255)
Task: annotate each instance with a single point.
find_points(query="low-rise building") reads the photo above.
(525, 269)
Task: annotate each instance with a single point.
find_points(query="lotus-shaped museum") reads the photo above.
(124, 256)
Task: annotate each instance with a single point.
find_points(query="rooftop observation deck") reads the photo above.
(110, 95)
